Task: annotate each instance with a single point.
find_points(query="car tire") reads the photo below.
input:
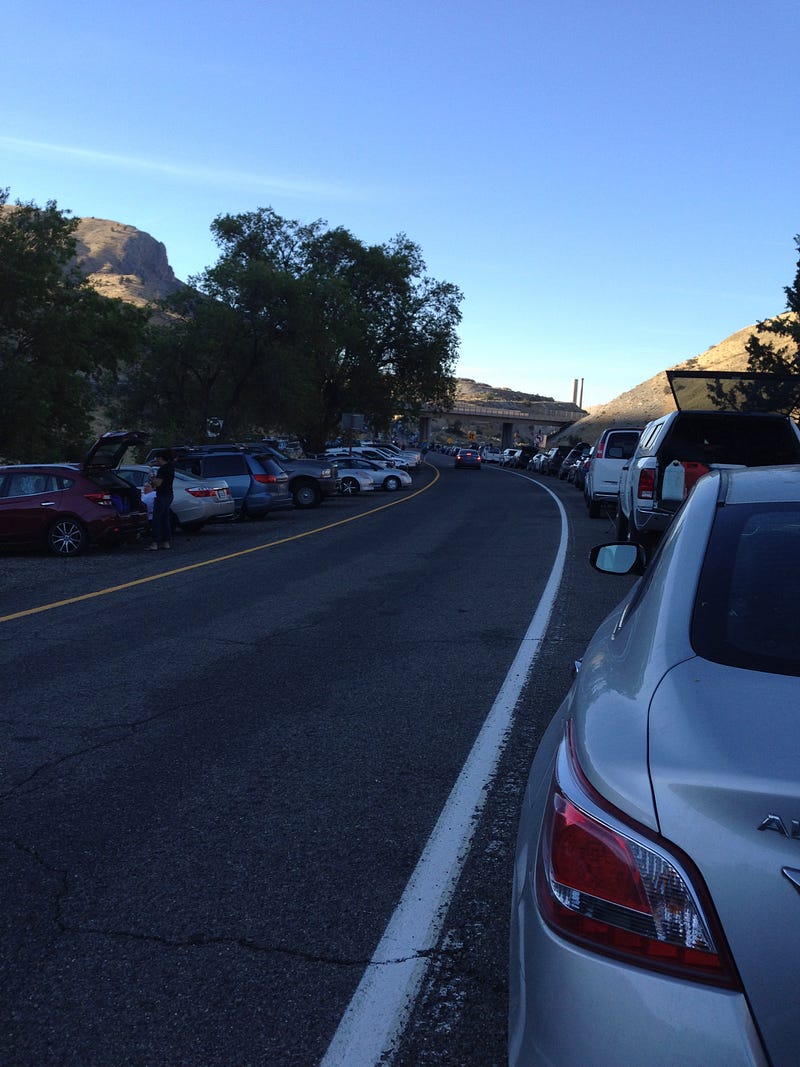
(67, 537)
(306, 495)
(391, 484)
(350, 487)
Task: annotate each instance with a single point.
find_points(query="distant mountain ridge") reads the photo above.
(122, 261)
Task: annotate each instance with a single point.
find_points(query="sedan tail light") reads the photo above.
(606, 883)
(265, 479)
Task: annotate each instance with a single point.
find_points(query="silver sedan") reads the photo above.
(656, 899)
(387, 478)
(194, 502)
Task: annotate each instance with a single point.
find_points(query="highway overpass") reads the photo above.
(540, 417)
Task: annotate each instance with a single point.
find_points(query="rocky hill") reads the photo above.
(121, 261)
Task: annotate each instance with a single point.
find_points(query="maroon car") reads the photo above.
(65, 507)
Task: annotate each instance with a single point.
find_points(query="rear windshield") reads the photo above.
(621, 445)
(745, 614)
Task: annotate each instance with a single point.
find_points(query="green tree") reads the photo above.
(59, 339)
(781, 354)
(297, 323)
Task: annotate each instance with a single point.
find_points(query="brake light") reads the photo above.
(601, 447)
(265, 479)
(647, 484)
(103, 499)
(612, 887)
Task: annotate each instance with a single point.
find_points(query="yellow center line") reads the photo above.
(219, 559)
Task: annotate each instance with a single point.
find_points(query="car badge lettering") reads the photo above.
(776, 823)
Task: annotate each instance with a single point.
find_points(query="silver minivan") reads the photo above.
(613, 449)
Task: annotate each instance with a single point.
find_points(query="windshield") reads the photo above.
(745, 614)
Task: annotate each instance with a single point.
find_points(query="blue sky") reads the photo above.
(613, 185)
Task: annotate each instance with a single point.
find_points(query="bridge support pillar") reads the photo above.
(424, 428)
(507, 435)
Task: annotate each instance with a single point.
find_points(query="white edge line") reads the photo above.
(382, 1003)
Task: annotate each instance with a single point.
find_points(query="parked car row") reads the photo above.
(66, 507)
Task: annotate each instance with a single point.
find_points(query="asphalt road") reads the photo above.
(220, 765)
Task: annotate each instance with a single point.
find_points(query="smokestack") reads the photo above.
(580, 395)
(574, 390)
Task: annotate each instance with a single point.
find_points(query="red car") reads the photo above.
(65, 507)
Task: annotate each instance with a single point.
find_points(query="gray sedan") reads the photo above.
(656, 900)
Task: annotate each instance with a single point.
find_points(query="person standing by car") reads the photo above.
(162, 483)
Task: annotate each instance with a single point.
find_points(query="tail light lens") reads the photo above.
(601, 446)
(103, 499)
(647, 484)
(202, 492)
(265, 479)
(607, 883)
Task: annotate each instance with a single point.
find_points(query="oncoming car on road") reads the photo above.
(657, 872)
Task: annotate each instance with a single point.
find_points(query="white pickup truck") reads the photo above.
(678, 448)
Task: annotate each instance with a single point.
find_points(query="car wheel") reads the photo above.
(392, 483)
(622, 526)
(67, 537)
(306, 495)
(350, 486)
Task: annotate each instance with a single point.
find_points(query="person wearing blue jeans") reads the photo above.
(162, 483)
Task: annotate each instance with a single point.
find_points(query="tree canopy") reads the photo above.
(294, 325)
(58, 337)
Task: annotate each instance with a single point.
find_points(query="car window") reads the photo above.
(745, 613)
(29, 484)
(649, 436)
(621, 445)
(222, 466)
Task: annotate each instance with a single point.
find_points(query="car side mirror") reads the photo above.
(620, 557)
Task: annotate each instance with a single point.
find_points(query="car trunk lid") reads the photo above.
(109, 448)
(726, 783)
(699, 390)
